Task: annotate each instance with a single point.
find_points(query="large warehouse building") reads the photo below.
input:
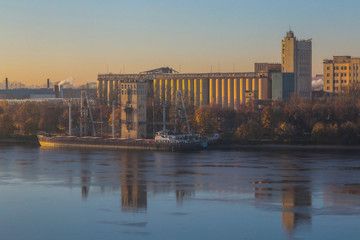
(223, 89)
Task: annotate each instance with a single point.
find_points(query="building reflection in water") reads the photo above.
(133, 185)
(85, 184)
(85, 175)
(294, 202)
(296, 198)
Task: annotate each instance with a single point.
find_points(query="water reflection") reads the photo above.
(294, 200)
(133, 183)
(296, 186)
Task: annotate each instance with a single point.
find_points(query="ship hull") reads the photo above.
(114, 143)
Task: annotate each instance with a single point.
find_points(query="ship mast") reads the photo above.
(183, 108)
(85, 113)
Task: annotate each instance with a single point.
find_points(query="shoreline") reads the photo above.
(32, 140)
(286, 146)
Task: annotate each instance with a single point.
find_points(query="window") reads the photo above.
(328, 68)
(345, 68)
(328, 74)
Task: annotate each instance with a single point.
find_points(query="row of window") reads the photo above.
(342, 81)
(139, 92)
(343, 68)
(342, 74)
(131, 86)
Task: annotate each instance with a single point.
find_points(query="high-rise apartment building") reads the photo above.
(296, 57)
(340, 72)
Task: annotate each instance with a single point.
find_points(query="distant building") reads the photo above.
(340, 72)
(283, 85)
(296, 57)
(23, 93)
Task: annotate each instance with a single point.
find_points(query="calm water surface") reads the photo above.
(74, 194)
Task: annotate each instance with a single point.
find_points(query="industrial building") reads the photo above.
(283, 85)
(42, 94)
(223, 89)
(296, 57)
(133, 92)
(340, 72)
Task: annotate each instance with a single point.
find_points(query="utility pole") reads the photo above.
(164, 118)
(81, 114)
(70, 120)
(153, 105)
(113, 120)
(101, 122)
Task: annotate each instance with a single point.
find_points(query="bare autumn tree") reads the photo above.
(6, 125)
(49, 117)
(27, 118)
(206, 120)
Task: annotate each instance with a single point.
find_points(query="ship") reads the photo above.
(164, 140)
(55, 141)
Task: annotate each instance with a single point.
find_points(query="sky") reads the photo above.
(59, 39)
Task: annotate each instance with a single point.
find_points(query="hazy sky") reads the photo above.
(60, 39)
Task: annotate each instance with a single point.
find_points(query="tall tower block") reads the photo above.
(296, 57)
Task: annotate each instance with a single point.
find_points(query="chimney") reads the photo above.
(56, 91)
(6, 83)
(48, 83)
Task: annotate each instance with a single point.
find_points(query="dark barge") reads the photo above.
(115, 143)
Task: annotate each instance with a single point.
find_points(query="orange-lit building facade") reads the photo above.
(340, 72)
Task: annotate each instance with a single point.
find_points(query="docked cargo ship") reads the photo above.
(164, 140)
(119, 143)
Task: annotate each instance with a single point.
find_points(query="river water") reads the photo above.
(98, 194)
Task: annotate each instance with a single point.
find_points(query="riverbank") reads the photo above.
(286, 146)
(20, 140)
(32, 140)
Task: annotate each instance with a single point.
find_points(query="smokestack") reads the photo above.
(48, 83)
(56, 90)
(6, 83)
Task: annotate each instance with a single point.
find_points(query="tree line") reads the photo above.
(329, 120)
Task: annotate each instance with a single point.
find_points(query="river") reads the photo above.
(99, 194)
